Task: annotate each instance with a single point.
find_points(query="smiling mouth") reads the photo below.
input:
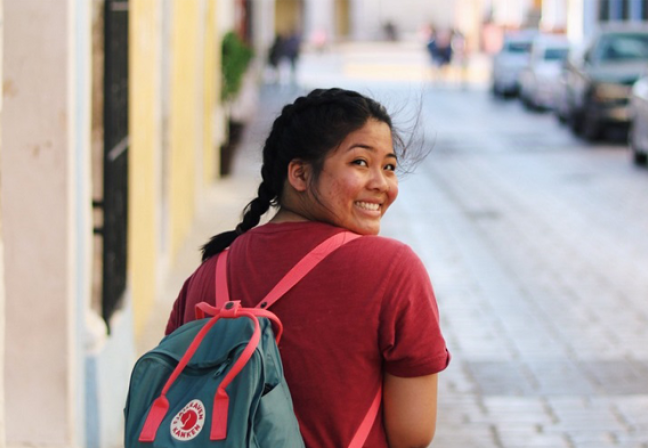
(372, 207)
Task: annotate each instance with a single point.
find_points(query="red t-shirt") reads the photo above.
(367, 308)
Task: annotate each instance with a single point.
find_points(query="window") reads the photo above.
(624, 47)
(555, 54)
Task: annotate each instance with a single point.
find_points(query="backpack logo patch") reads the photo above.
(188, 423)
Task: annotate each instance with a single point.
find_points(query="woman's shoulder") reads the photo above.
(315, 232)
(382, 244)
(379, 251)
(203, 275)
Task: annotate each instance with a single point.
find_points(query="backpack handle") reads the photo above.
(204, 309)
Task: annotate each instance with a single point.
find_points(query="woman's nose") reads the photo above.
(379, 180)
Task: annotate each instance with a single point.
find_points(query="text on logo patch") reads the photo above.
(188, 423)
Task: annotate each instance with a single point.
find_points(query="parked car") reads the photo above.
(598, 85)
(638, 136)
(539, 78)
(562, 101)
(509, 61)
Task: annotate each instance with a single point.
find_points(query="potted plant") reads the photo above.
(236, 56)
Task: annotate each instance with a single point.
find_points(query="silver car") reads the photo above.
(599, 84)
(638, 135)
(509, 62)
(539, 79)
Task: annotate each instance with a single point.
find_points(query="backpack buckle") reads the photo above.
(230, 309)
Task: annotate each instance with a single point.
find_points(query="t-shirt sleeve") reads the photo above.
(411, 341)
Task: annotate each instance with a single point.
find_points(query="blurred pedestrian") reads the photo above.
(439, 48)
(431, 44)
(292, 50)
(459, 56)
(275, 54)
(390, 31)
(364, 324)
(443, 48)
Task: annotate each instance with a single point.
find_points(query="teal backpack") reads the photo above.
(218, 381)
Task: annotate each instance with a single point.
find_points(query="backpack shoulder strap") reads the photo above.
(305, 265)
(222, 291)
(299, 271)
(362, 433)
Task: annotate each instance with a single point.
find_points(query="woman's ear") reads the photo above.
(299, 173)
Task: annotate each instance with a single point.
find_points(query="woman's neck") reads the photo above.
(286, 215)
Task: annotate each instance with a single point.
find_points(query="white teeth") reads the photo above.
(369, 206)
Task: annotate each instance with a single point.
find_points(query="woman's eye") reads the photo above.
(360, 162)
(390, 167)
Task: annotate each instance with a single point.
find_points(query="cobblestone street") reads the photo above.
(537, 247)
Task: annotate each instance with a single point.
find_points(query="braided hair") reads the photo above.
(307, 129)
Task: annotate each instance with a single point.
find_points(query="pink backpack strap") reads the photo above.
(362, 433)
(305, 265)
(299, 271)
(222, 291)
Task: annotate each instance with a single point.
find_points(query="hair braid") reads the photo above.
(251, 217)
(256, 208)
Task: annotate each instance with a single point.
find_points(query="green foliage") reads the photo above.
(236, 57)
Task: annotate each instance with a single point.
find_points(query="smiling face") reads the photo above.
(358, 181)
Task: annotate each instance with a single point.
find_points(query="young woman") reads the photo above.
(366, 315)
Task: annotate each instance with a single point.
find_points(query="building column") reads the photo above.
(3, 439)
(636, 10)
(46, 211)
(615, 10)
(582, 17)
(185, 132)
(554, 15)
(319, 16)
(144, 163)
(263, 24)
(512, 13)
(589, 17)
(365, 18)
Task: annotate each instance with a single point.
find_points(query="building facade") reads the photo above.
(111, 124)
(633, 10)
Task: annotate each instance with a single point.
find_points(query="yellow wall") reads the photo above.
(342, 18)
(184, 119)
(211, 57)
(288, 16)
(193, 97)
(144, 144)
